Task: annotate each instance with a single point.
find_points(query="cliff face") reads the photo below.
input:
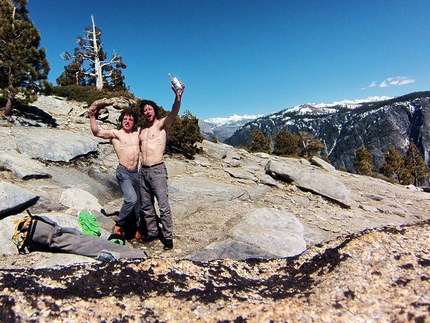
(377, 125)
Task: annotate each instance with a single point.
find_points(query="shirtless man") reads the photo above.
(126, 145)
(153, 172)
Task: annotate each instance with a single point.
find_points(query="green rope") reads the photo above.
(88, 224)
(118, 241)
(116, 238)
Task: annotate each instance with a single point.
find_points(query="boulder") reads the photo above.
(22, 166)
(14, 199)
(54, 145)
(262, 233)
(310, 179)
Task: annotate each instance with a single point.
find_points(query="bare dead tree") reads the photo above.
(91, 50)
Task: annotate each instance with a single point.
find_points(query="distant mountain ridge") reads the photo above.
(224, 127)
(328, 107)
(378, 123)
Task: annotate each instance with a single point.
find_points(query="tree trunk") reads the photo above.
(97, 65)
(8, 108)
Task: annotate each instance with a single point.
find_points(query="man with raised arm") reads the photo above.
(153, 171)
(126, 145)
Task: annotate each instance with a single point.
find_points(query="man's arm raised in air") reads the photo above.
(170, 118)
(101, 133)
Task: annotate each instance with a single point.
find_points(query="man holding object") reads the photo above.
(153, 172)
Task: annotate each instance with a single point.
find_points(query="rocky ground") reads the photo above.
(369, 262)
(375, 203)
(381, 275)
(358, 274)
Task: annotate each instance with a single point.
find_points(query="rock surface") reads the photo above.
(248, 248)
(381, 275)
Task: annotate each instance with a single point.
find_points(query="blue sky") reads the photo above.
(250, 56)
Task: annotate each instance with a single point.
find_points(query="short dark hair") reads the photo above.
(152, 104)
(128, 112)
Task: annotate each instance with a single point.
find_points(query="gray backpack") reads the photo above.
(39, 233)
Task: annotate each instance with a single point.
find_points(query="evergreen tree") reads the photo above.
(23, 67)
(405, 177)
(73, 74)
(260, 142)
(363, 161)
(117, 83)
(416, 165)
(183, 134)
(98, 72)
(309, 145)
(394, 165)
(286, 144)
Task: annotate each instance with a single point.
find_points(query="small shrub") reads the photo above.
(87, 94)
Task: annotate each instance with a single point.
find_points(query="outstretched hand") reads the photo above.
(179, 92)
(93, 110)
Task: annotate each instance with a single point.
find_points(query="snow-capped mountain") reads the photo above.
(324, 108)
(377, 123)
(232, 120)
(224, 127)
(351, 104)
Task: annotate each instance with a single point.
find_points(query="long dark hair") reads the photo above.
(152, 104)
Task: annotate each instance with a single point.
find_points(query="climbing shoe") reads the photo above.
(168, 244)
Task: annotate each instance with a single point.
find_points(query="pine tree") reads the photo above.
(310, 146)
(73, 74)
(23, 67)
(183, 134)
(416, 165)
(405, 177)
(117, 83)
(98, 72)
(363, 161)
(286, 144)
(260, 142)
(394, 165)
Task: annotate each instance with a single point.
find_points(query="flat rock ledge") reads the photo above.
(377, 275)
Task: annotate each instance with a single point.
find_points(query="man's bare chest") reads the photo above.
(128, 139)
(150, 135)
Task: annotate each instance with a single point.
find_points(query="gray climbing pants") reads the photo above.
(153, 185)
(129, 182)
